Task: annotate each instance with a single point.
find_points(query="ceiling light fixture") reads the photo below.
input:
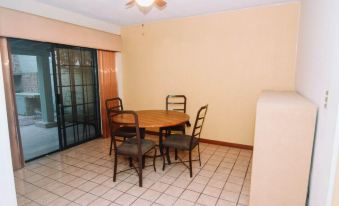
(144, 3)
(147, 3)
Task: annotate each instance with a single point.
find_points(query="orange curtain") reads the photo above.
(108, 86)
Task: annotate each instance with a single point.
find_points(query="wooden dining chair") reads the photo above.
(186, 142)
(176, 103)
(134, 148)
(122, 131)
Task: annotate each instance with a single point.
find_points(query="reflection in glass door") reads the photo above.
(76, 87)
(34, 95)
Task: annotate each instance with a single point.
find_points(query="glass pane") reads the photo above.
(88, 76)
(87, 58)
(68, 115)
(62, 56)
(89, 94)
(35, 98)
(77, 75)
(65, 79)
(66, 96)
(79, 95)
(74, 57)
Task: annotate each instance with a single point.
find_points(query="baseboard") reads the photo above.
(228, 144)
(215, 142)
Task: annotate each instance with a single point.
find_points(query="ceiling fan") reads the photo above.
(147, 3)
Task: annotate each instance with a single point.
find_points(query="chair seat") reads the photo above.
(127, 132)
(130, 147)
(179, 141)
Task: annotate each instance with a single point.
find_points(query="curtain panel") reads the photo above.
(108, 87)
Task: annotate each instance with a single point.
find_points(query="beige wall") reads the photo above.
(223, 59)
(27, 26)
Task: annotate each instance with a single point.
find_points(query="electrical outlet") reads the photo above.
(326, 99)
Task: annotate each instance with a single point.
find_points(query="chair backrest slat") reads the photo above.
(114, 104)
(199, 122)
(176, 103)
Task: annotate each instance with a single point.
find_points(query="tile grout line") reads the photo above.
(242, 186)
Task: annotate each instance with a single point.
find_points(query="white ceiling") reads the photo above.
(114, 11)
(110, 15)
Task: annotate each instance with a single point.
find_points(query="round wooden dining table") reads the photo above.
(154, 118)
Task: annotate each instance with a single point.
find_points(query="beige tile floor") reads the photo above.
(82, 175)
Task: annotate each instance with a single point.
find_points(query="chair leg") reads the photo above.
(140, 162)
(130, 161)
(163, 161)
(168, 155)
(190, 162)
(115, 167)
(155, 155)
(199, 155)
(176, 151)
(110, 148)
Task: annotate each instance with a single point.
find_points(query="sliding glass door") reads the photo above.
(35, 98)
(56, 94)
(77, 92)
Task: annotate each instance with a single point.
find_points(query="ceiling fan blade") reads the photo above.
(130, 3)
(160, 3)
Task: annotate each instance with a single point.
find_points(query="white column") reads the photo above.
(7, 186)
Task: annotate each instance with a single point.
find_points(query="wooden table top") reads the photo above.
(154, 118)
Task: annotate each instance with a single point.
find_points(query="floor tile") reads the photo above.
(159, 186)
(73, 194)
(232, 187)
(99, 190)
(222, 202)
(190, 195)
(100, 202)
(85, 199)
(197, 187)
(136, 191)
(207, 200)
(112, 195)
(181, 202)
(123, 186)
(46, 199)
(174, 191)
(141, 202)
(125, 199)
(150, 195)
(212, 191)
(59, 202)
(87, 186)
(230, 196)
(183, 183)
(166, 200)
(244, 200)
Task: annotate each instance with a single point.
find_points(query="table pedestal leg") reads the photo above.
(160, 141)
(142, 135)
